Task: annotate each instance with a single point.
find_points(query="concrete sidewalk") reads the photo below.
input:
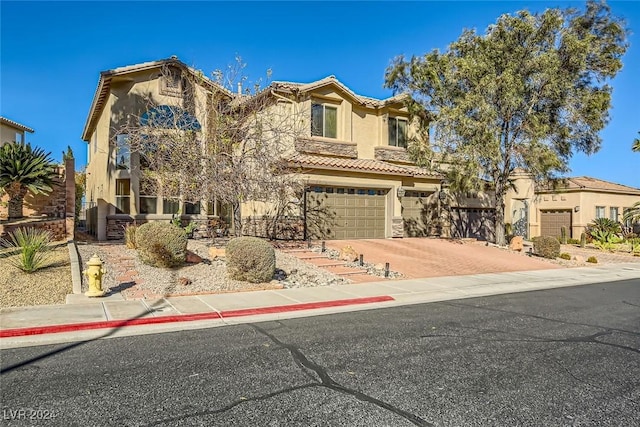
(93, 318)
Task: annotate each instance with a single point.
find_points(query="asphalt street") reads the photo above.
(562, 357)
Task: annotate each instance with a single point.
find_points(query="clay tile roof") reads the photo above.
(420, 171)
(364, 100)
(363, 165)
(359, 165)
(588, 183)
(104, 84)
(15, 125)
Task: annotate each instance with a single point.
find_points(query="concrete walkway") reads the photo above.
(93, 318)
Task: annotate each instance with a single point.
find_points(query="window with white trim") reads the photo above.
(613, 214)
(123, 196)
(324, 121)
(600, 212)
(397, 132)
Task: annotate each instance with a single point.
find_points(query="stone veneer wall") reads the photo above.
(116, 225)
(392, 154)
(331, 148)
(397, 227)
(286, 228)
(57, 227)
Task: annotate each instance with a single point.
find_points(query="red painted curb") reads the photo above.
(304, 306)
(70, 327)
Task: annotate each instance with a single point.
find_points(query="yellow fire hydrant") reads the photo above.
(95, 273)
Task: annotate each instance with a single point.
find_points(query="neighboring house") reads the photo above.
(352, 157)
(570, 202)
(11, 131)
(54, 210)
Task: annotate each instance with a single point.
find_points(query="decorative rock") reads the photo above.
(578, 258)
(193, 258)
(184, 281)
(517, 243)
(217, 252)
(348, 254)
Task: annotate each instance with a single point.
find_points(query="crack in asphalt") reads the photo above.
(590, 339)
(232, 405)
(330, 383)
(563, 322)
(630, 303)
(307, 367)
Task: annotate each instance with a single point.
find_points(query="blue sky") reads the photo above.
(52, 53)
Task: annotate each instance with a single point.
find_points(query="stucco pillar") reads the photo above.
(70, 199)
(101, 226)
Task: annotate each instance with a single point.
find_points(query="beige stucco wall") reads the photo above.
(11, 134)
(582, 205)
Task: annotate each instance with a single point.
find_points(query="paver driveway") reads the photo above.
(420, 257)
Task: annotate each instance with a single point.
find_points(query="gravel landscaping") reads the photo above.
(208, 276)
(49, 285)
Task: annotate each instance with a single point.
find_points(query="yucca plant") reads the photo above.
(23, 169)
(27, 249)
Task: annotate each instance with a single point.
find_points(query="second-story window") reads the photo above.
(397, 132)
(123, 155)
(324, 121)
(171, 83)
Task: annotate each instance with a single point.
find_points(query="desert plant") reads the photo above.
(27, 249)
(546, 246)
(603, 227)
(250, 259)
(161, 244)
(563, 235)
(592, 260)
(130, 236)
(565, 255)
(583, 240)
(190, 228)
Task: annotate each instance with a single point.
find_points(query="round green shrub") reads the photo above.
(250, 259)
(592, 260)
(161, 244)
(565, 255)
(546, 246)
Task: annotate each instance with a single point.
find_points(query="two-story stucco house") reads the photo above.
(351, 156)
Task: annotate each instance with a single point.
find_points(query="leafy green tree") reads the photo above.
(528, 93)
(24, 169)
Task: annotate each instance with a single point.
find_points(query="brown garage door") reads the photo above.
(473, 223)
(346, 213)
(417, 213)
(552, 221)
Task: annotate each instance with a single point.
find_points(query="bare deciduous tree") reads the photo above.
(214, 144)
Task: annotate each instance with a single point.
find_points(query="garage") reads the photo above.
(552, 221)
(473, 223)
(417, 214)
(345, 213)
